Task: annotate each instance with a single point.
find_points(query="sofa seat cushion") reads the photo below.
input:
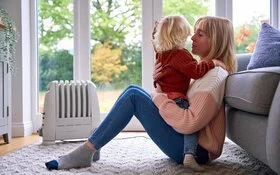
(252, 90)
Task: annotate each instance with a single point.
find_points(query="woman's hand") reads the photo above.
(157, 70)
(158, 88)
(156, 91)
(219, 63)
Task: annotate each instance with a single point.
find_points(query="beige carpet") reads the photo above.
(135, 154)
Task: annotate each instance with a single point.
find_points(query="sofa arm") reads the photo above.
(243, 61)
(252, 90)
(273, 130)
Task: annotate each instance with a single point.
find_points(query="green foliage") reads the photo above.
(8, 41)
(106, 63)
(190, 9)
(111, 22)
(132, 58)
(54, 66)
(254, 26)
(55, 22)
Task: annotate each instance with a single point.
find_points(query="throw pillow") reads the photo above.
(267, 50)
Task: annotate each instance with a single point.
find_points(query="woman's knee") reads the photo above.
(133, 89)
(132, 86)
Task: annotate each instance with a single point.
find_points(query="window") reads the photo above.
(247, 20)
(192, 9)
(116, 48)
(55, 48)
(120, 34)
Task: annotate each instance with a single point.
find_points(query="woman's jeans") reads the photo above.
(135, 101)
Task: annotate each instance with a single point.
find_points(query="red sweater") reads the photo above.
(179, 67)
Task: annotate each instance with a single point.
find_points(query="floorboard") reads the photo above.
(17, 143)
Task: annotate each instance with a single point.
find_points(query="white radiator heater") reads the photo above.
(71, 111)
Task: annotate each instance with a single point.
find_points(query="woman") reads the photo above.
(178, 68)
(162, 119)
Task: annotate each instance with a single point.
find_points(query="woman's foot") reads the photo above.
(79, 158)
(190, 162)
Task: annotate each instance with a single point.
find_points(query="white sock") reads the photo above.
(190, 162)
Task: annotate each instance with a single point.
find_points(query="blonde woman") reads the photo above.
(162, 119)
(213, 38)
(178, 68)
(178, 65)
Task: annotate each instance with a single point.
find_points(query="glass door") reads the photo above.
(247, 22)
(55, 43)
(116, 47)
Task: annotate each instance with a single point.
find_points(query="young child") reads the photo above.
(178, 68)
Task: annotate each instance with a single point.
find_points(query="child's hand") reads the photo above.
(158, 88)
(155, 30)
(219, 63)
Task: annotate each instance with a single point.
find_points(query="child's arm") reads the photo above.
(190, 67)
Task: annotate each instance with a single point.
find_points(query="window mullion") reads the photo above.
(152, 12)
(82, 61)
(275, 13)
(224, 8)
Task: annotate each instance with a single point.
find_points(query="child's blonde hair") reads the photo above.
(171, 33)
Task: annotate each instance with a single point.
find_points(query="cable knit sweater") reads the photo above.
(205, 114)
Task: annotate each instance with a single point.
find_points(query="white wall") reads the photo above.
(21, 114)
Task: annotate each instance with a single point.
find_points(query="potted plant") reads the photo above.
(8, 39)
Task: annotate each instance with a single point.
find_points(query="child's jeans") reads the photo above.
(190, 140)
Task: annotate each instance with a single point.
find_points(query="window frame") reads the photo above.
(82, 59)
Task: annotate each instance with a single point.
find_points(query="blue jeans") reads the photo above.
(135, 101)
(190, 140)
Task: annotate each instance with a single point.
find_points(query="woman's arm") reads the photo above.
(205, 97)
(203, 107)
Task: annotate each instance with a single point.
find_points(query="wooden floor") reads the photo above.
(17, 142)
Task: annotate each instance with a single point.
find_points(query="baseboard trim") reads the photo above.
(21, 129)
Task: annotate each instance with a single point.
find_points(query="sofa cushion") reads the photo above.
(252, 90)
(267, 52)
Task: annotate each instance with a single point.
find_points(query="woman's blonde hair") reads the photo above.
(221, 38)
(171, 33)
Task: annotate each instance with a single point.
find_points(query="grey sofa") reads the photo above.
(252, 100)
